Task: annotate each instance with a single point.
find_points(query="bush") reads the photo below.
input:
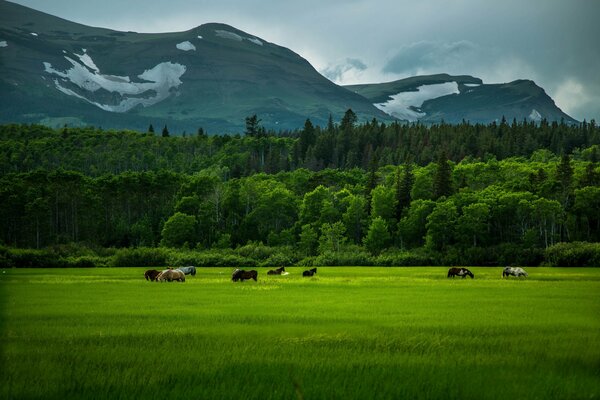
(140, 257)
(224, 258)
(404, 258)
(349, 257)
(256, 251)
(576, 254)
(30, 258)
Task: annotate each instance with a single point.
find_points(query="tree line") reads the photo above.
(478, 211)
(344, 145)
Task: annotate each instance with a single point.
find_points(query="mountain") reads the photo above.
(433, 98)
(54, 71)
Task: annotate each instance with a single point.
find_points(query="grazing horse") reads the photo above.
(241, 275)
(277, 271)
(151, 274)
(170, 275)
(310, 272)
(190, 270)
(514, 271)
(462, 272)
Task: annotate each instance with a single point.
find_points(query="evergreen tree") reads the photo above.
(371, 183)
(348, 121)
(150, 129)
(165, 132)
(253, 127)
(404, 184)
(330, 125)
(564, 175)
(201, 132)
(307, 138)
(442, 180)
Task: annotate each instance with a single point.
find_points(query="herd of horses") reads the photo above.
(178, 275)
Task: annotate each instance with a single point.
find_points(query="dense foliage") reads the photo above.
(352, 195)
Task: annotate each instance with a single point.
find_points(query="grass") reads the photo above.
(363, 333)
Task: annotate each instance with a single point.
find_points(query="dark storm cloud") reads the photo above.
(553, 42)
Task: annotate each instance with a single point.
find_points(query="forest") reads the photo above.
(346, 194)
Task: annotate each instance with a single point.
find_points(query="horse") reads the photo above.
(241, 275)
(514, 271)
(189, 270)
(170, 275)
(462, 272)
(151, 274)
(277, 271)
(310, 272)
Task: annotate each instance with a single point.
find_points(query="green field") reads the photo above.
(347, 333)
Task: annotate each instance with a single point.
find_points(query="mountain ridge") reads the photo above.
(55, 72)
(469, 100)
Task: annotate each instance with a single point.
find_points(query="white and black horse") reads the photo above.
(462, 272)
(514, 271)
(241, 275)
(310, 272)
(190, 270)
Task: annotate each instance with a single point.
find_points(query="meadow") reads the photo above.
(347, 333)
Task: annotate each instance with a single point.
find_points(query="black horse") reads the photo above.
(151, 274)
(241, 275)
(310, 272)
(462, 272)
(277, 271)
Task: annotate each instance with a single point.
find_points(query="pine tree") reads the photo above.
(404, 184)
(201, 132)
(150, 129)
(371, 183)
(348, 120)
(253, 127)
(165, 132)
(442, 180)
(330, 125)
(307, 138)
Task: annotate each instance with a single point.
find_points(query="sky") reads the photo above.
(552, 42)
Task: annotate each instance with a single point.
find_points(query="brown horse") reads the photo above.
(151, 274)
(170, 275)
(310, 272)
(241, 275)
(277, 271)
(462, 272)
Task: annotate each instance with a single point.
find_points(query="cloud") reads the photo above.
(574, 98)
(339, 72)
(426, 55)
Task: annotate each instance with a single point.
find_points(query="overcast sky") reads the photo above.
(553, 42)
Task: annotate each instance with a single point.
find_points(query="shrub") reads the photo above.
(257, 251)
(140, 257)
(404, 258)
(576, 254)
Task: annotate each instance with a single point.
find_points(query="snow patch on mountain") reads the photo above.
(404, 105)
(255, 41)
(33, 34)
(234, 36)
(472, 84)
(87, 61)
(199, 37)
(81, 82)
(3, 43)
(185, 46)
(535, 115)
(228, 35)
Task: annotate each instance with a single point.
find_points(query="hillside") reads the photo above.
(433, 98)
(54, 71)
